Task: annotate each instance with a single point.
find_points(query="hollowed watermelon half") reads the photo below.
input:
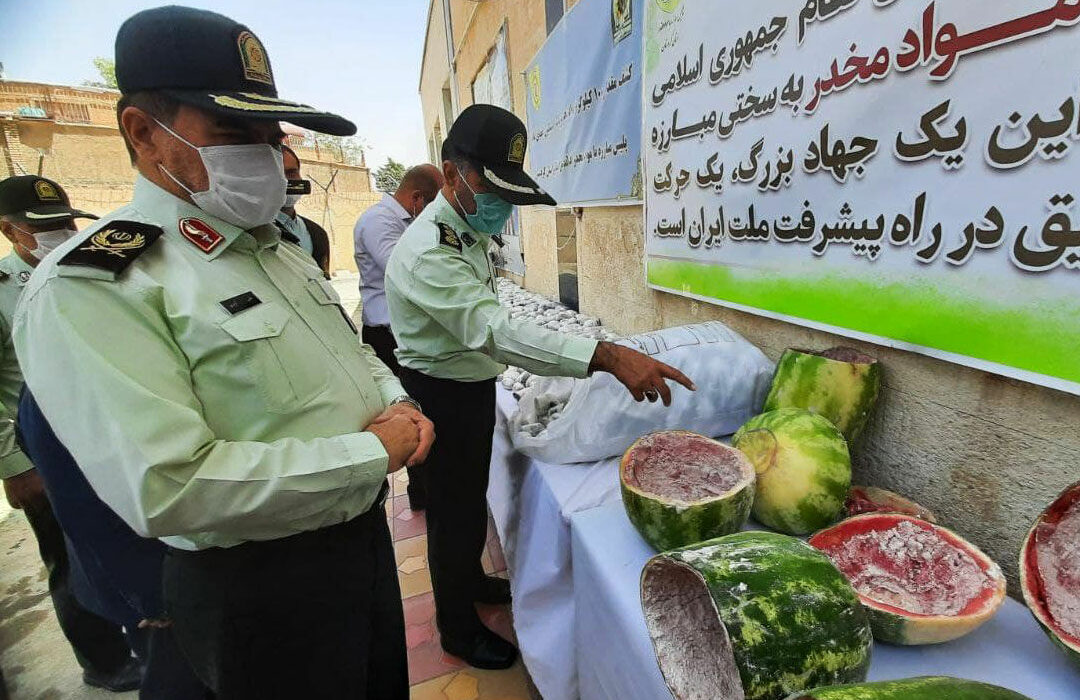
(752, 616)
(840, 384)
(926, 688)
(803, 469)
(921, 583)
(1050, 571)
(871, 499)
(680, 488)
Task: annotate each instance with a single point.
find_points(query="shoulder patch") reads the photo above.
(200, 233)
(449, 237)
(114, 246)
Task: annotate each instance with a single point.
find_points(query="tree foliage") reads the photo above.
(106, 72)
(388, 176)
(347, 149)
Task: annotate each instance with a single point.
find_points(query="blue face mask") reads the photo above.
(492, 211)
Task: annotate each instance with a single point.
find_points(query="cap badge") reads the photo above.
(253, 56)
(200, 233)
(46, 192)
(517, 149)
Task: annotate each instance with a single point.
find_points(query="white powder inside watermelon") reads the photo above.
(1059, 567)
(684, 466)
(912, 569)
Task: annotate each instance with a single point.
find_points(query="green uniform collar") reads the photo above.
(207, 233)
(442, 211)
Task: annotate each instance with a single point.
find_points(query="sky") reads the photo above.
(357, 58)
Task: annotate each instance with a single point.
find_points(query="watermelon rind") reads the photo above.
(670, 523)
(871, 499)
(925, 688)
(1030, 582)
(803, 469)
(894, 626)
(844, 392)
(753, 616)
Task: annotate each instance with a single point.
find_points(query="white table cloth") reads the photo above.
(616, 661)
(531, 503)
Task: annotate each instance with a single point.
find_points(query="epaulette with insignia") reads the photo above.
(114, 246)
(449, 237)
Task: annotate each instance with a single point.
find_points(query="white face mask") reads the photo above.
(247, 182)
(292, 199)
(47, 241)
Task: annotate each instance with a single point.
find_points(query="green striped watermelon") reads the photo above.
(753, 616)
(680, 488)
(841, 384)
(1050, 571)
(926, 688)
(921, 583)
(803, 469)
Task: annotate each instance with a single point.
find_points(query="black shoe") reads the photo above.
(483, 649)
(417, 499)
(129, 677)
(493, 591)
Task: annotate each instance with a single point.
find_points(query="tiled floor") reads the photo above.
(434, 674)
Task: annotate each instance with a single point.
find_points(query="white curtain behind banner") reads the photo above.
(492, 86)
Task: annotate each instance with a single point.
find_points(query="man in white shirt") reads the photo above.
(375, 235)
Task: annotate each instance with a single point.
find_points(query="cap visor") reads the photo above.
(53, 213)
(249, 105)
(515, 186)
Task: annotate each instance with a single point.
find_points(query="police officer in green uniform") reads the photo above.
(454, 338)
(213, 390)
(36, 216)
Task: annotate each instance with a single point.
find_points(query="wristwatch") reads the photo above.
(409, 400)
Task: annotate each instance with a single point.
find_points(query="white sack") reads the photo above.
(601, 418)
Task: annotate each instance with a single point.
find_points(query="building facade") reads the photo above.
(70, 134)
(985, 452)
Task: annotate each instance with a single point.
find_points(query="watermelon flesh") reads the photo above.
(752, 616)
(679, 488)
(921, 583)
(871, 499)
(840, 384)
(1050, 571)
(926, 688)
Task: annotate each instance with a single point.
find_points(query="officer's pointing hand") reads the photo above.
(645, 377)
(400, 437)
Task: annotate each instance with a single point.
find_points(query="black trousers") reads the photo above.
(457, 480)
(382, 340)
(99, 645)
(315, 615)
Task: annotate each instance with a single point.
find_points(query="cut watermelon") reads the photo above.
(926, 688)
(1050, 571)
(871, 499)
(680, 488)
(840, 384)
(803, 469)
(921, 583)
(753, 616)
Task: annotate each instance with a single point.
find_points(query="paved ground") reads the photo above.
(38, 663)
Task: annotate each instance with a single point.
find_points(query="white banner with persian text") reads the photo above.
(898, 171)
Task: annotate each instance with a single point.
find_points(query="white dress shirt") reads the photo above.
(376, 233)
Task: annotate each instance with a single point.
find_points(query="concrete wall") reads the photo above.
(985, 453)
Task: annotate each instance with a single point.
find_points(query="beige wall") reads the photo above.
(434, 76)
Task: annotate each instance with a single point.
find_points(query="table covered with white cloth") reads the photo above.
(615, 655)
(531, 503)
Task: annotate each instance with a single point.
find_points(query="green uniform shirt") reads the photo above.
(213, 391)
(445, 311)
(14, 274)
